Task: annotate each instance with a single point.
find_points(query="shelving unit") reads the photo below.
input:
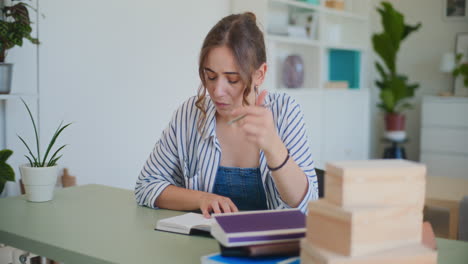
(14, 118)
(337, 119)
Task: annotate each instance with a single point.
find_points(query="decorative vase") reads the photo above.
(293, 71)
(6, 71)
(395, 127)
(39, 182)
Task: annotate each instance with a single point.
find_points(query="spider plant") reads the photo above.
(35, 160)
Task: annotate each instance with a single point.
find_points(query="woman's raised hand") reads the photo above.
(258, 123)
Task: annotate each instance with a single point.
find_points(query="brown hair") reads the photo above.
(240, 33)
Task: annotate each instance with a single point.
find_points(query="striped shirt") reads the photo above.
(186, 158)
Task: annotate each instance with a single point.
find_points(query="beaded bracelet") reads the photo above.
(280, 166)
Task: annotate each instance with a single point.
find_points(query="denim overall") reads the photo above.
(243, 186)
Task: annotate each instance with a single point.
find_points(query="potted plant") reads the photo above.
(40, 174)
(15, 26)
(461, 69)
(395, 89)
(6, 171)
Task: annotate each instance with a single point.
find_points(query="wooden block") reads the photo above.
(67, 179)
(375, 183)
(337, 85)
(409, 254)
(362, 230)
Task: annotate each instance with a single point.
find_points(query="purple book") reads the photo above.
(258, 227)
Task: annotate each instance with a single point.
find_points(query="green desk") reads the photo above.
(96, 224)
(100, 224)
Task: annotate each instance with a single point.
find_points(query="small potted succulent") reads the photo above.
(6, 171)
(15, 26)
(39, 176)
(395, 89)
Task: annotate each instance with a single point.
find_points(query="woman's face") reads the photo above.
(223, 81)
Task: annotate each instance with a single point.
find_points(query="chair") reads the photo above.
(463, 222)
(320, 179)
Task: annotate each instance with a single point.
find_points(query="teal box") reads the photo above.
(313, 2)
(344, 65)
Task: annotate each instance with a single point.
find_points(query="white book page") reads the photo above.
(183, 223)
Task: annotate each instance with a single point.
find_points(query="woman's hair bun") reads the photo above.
(251, 16)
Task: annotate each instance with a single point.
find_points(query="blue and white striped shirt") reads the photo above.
(186, 158)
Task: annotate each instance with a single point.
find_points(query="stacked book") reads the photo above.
(372, 213)
(257, 233)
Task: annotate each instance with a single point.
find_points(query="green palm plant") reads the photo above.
(6, 171)
(35, 160)
(394, 87)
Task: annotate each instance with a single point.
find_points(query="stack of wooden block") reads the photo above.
(371, 213)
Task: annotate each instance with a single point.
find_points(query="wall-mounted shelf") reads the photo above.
(15, 96)
(293, 40)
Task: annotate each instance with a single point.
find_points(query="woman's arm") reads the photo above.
(290, 180)
(296, 180)
(161, 181)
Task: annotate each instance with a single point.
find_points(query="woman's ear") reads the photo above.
(259, 76)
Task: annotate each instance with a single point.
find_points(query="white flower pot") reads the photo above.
(39, 182)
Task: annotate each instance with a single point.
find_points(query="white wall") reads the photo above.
(117, 70)
(419, 58)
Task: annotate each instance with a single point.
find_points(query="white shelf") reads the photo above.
(323, 9)
(329, 11)
(15, 96)
(346, 47)
(298, 4)
(293, 40)
(300, 89)
(348, 90)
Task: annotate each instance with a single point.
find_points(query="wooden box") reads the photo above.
(375, 183)
(410, 254)
(335, 4)
(362, 230)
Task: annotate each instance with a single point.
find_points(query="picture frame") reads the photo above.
(455, 10)
(461, 46)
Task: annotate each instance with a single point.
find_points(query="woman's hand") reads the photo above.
(210, 202)
(258, 124)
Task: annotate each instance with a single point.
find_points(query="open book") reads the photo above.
(189, 224)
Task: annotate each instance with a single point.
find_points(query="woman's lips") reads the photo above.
(221, 104)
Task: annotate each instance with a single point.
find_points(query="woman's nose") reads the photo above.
(219, 88)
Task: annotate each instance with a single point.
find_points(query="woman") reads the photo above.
(210, 159)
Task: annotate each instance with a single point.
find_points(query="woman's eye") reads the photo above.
(211, 78)
(233, 81)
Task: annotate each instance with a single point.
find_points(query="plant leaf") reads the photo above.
(7, 172)
(30, 152)
(2, 184)
(53, 162)
(52, 141)
(55, 154)
(30, 161)
(49, 147)
(35, 131)
(5, 154)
